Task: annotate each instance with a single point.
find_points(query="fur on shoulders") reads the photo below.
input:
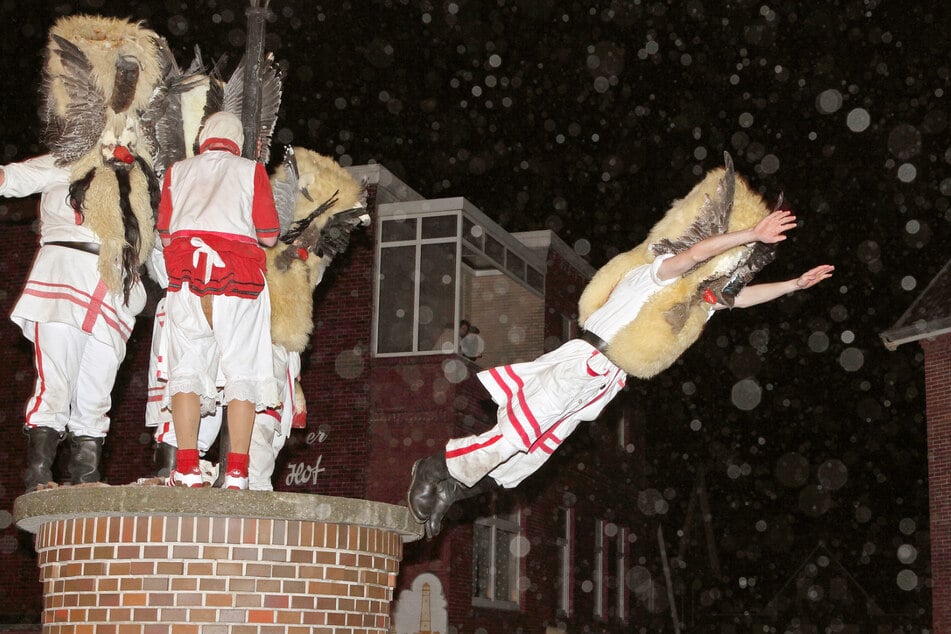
(674, 316)
(291, 289)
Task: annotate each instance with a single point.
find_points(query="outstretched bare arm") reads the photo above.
(770, 229)
(761, 293)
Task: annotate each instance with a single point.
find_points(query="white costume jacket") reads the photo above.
(64, 284)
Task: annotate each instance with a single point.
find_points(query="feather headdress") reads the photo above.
(184, 99)
(98, 76)
(97, 69)
(674, 316)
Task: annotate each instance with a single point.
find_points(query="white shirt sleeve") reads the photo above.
(32, 176)
(655, 268)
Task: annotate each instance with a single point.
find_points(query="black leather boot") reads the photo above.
(40, 454)
(164, 456)
(448, 492)
(85, 453)
(224, 448)
(427, 473)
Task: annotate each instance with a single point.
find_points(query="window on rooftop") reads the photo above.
(433, 273)
(494, 249)
(515, 265)
(417, 284)
(439, 227)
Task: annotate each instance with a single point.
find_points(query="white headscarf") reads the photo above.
(222, 125)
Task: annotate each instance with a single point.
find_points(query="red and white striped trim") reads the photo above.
(512, 385)
(94, 305)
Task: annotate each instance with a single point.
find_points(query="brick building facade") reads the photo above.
(928, 322)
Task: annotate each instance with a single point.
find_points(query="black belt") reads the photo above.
(596, 342)
(88, 247)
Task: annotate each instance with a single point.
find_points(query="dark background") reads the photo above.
(588, 119)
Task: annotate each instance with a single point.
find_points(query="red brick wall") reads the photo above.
(20, 592)
(336, 368)
(154, 574)
(509, 319)
(938, 409)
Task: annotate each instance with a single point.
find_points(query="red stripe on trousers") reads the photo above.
(39, 374)
(494, 373)
(461, 451)
(523, 402)
(539, 444)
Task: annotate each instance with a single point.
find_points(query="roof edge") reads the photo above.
(895, 337)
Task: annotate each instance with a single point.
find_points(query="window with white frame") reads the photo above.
(417, 283)
(599, 569)
(495, 561)
(610, 563)
(616, 559)
(623, 430)
(440, 262)
(566, 520)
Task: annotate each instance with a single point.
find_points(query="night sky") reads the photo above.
(588, 119)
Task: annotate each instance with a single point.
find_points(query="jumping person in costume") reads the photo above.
(216, 210)
(639, 313)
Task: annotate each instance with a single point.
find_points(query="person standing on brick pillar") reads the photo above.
(640, 312)
(216, 210)
(97, 206)
(77, 325)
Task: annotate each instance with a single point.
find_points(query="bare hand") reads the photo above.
(814, 276)
(771, 228)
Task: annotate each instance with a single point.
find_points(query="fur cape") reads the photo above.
(673, 318)
(108, 197)
(99, 75)
(96, 69)
(291, 289)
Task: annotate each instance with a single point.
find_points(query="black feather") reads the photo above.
(300, 226)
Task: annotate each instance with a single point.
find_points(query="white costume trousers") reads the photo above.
(75, 375)
(157, 412)
(239, 344)
(541, 402)
(272, 427)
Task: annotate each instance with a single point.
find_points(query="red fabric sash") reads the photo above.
(241, 276)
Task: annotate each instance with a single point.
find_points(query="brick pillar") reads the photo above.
(938, 408)
(121, 572)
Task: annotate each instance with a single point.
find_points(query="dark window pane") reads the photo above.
(437, 293)
(472, 232)
(481, 560)
(535, 279)
(439, 227)
(397, 230)
(504, 563)
(395, 328)
(515, 265)
(494, 249)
